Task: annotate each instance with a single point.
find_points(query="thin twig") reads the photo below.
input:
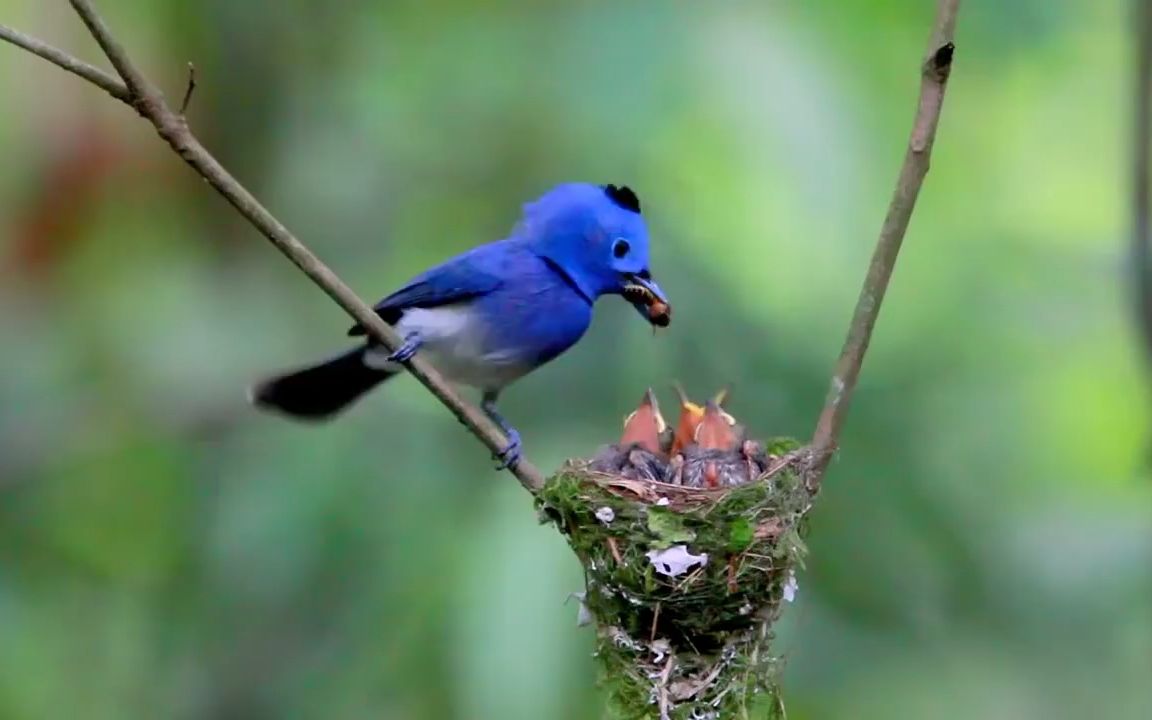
(655, 623)
(189, 90)
(615, 550)
(665, 705)
(148, 101)
(934, 74)
(1141, 139)
(108, 83)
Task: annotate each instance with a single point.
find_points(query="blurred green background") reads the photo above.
(982, 548)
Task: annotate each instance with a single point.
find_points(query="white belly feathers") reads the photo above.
(454, 341)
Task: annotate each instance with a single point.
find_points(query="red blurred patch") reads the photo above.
(50, 221)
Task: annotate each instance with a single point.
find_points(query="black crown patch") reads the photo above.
(623, 196)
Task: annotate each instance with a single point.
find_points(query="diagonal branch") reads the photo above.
(112, 85)
(933, 79)
(149, 102)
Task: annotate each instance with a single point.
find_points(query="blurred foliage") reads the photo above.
(982, 547)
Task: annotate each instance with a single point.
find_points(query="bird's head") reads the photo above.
(644, 425)
(596, 238)
(715, 432)
(692, 415)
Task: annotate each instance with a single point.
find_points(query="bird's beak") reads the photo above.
(648, 299)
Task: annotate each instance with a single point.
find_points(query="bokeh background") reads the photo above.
(982, 548)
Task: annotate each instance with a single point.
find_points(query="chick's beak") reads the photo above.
(644, 425)
(647, 297)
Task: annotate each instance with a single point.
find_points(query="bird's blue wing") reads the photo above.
(464, 277)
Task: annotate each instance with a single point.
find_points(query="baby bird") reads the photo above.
(715, 457)
(717, 429)
(690, 416)
(645, 425)
(639, 455)
(755, 457)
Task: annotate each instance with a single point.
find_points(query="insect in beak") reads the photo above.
(648, 299)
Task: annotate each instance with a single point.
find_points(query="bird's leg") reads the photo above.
(510, 455)
(404, 353)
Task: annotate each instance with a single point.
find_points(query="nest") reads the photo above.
(684, 583)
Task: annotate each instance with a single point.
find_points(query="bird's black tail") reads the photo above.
(320, 391)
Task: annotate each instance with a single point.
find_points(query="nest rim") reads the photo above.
(679, 497)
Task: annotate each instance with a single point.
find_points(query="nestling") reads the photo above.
(691, 415)
(640, 452)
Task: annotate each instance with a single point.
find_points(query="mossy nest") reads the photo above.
(684, 583)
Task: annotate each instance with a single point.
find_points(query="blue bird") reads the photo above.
(491, 315)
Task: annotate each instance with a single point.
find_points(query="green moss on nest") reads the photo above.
(696, 644)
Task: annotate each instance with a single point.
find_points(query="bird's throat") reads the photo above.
(567, 277)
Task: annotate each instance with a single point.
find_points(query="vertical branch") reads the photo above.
(1141, 139)
(934, 74)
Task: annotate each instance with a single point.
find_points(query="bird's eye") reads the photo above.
(620, 248)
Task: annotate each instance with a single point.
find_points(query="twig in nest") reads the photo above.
(690, 578)
(691, 689)
(664, 688)
(770, 528)
(615, 550)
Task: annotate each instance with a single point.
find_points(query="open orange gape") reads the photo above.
(689, 536)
